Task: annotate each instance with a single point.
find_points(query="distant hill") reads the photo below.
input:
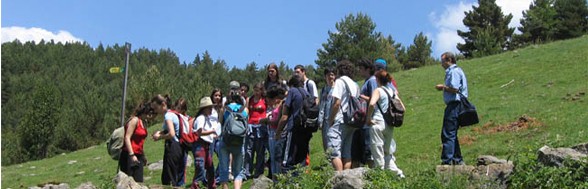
(545, 82)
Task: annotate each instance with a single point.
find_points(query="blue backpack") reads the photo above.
(234, 127)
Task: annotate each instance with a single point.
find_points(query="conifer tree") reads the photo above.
(572, 18)
(538, 23)
(486, 15)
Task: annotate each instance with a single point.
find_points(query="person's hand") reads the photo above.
(370, 122)
(135, 160)
(439, 87)
(156, 135)
(278, 136)
(144, 160)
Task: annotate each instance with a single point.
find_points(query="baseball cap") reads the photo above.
(380, 64)
(234, 85)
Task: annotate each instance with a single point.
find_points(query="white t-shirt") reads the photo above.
(310, 87)
(339, 91)
(204, 123)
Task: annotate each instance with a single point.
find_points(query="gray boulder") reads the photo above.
(155, 166)
(262, 183)
(52, 186)
(349, 179)
(125, 182)
(582, 148)
(555, 156)
(493, 171)
(87, 185)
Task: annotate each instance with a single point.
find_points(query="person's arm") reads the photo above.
(284, 113)
(371, 108)
(171, 130)
(334, 109)
(442, 87)
(130, 131)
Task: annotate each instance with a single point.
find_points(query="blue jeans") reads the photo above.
(255, 146)
(451, 153)
(274, 166)
(236, 167)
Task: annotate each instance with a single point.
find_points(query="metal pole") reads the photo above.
(122, 112)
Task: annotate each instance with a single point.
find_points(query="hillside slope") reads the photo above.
(546, 82)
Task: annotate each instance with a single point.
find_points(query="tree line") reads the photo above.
(59, 97)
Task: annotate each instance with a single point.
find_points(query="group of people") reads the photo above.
(274, 128)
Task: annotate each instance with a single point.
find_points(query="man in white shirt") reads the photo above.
(309, 85)
(340, 134)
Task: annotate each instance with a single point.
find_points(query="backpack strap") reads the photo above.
(389, 99)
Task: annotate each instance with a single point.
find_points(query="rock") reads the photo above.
(123, 181)
(555, 156)
(156, 166)
(582, 148)
(261, 183)
(349, 179)
(487, 160)
(449, 170)
(52, 186)
(189, 161)
(72, 162)
(87, 185)
(495, 172)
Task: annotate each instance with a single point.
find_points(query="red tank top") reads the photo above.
(256, 110)
(138, 137)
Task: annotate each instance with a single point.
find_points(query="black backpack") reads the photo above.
(308, 118)
(394, 115)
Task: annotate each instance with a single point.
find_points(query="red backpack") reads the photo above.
(186, 135)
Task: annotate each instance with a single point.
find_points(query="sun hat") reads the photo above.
(205, 102)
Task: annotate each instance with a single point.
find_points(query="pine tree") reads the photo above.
(572, 18)
(419, 53)
(355, 39)
(486, 15)
(538, 23)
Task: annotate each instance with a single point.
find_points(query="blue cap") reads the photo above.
(380, 64)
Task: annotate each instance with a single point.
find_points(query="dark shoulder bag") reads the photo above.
(467, 112)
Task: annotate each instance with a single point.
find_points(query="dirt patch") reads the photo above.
(467, 140)
(575, 97)
(524, 122)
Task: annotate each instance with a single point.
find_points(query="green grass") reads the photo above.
(542, 77)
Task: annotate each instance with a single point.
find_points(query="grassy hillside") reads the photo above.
(544, 82)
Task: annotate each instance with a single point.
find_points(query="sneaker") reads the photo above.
(401, 176)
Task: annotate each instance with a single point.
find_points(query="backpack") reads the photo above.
(394, 115)
(115, 143)
(187, 136)
(234, 127)
(308, 118)
(355, 116)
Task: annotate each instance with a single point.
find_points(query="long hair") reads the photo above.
(143, 108)
(159, 99)
(383, 77)
(216, 90)
(181, 105)
(273, 66)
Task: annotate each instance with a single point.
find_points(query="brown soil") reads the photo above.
(524, 122)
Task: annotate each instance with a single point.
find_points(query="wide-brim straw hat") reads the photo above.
(205, 102)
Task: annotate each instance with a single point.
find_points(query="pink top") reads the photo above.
(274, 118)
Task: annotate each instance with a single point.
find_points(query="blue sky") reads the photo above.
(238, 32)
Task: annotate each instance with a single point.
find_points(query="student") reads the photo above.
(308, 84)
(234, 104)
(382, 141)
(273, 77)
(340, 134)
(203, 164)
(274, 98)
(361, 139)
(326, 102)
(244, 91)
(256, 141)
(174, 155)
(132, 159)
(292, 138)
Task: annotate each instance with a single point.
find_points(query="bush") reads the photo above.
(529, 173)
